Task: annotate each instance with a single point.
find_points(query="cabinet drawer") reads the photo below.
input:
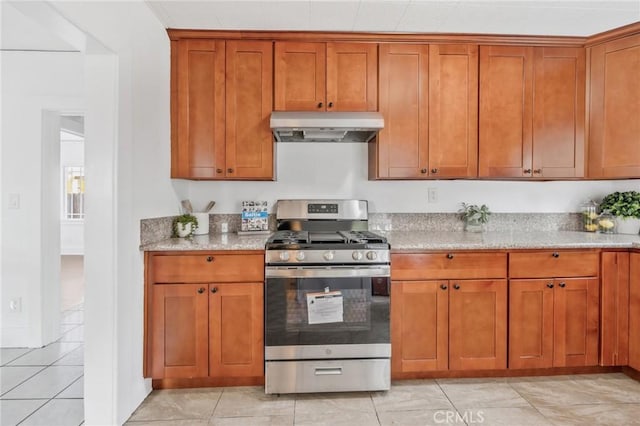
(448, 265)
(550, 264)
(207, 268)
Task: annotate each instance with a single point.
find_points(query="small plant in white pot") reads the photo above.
(185, 225)
(474, 216)
(625, 206)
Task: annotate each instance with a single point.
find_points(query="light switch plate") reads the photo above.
(14, 201)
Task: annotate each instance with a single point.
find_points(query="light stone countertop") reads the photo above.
(430, 240)
(230, 241)
(424, 240)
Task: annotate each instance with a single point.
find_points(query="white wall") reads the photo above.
(331, 170)
(31, 83)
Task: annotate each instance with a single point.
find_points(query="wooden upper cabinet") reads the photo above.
(531, 112)
(453, 111)
(249, 101)
(198, 95)
(221, 112)
(326, 76)
(614, 134)
(428, 97)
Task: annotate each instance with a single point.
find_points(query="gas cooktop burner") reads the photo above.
(328, 237)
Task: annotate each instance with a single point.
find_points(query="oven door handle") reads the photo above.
(327, 272)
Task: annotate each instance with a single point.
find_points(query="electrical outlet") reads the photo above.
(432, 195)
(224, 227)
(15, 305)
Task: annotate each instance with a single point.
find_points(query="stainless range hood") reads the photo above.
(312, 126)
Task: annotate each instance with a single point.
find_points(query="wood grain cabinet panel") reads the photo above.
(614, 308)
(207, 267)
(531, 112)
(614, 134)
(448, 265)
(326, 76)
(545, 264)
(428, 97)
(634, 311)
(222, 95)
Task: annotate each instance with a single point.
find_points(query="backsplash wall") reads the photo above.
(333, 170)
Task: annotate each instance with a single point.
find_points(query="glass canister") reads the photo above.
(606, 223)
(589, 216)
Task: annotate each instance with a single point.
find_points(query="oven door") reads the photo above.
(327, 312)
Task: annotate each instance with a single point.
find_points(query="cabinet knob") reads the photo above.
(434, 171)
(449, 255)
(555, 254)
(214, 289)
(319, 104)
(443, 286)
(550, 285)
(563, 284)
(330, 104)
(456, 286)
(218, 170)
(537, 171)
(201, 290)
(229, 170)
(209, 258)
(423, 171)
(526, 171)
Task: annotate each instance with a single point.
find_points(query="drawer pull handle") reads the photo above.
(319, 104)
(456, 286)
(331, 371)
(423, 171)
(527, 171)
(201, 290)
(550, 285)
(209, 258)
(443, 286)
(330, 104)
(555, 254)
(434, 171)
(449, 256)
(562, 284)
(214, 290)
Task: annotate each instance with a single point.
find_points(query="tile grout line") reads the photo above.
(449, 399)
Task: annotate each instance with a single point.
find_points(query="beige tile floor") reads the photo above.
(598, 399)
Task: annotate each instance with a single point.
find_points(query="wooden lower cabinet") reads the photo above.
(553, 322)
(634, 310)
(440, 325)
(614, 308)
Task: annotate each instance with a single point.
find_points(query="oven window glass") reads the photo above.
(356, 311)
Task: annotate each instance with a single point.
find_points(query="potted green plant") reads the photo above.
(625, 206)
(185, 225)
(474, 216)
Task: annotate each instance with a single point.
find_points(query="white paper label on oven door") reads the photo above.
(325, 307)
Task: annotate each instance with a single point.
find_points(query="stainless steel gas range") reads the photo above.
(327, 298)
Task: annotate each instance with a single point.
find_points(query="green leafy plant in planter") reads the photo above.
(184, 225)
(626, 207)
(474, 216)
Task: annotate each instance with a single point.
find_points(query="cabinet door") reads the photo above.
(453, 110)
(558, 112)
(614, 136)
(531, 323)
(506, 92)
(352, 77)
(299, 76)
(419, 326)
(236, 326)
(614, 309)
(478, 325)
(576, 320)
(634, 311)
(199, 99)
(179, 331)
(401, 150)
(249, 143)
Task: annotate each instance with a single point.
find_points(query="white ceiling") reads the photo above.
(569, 17)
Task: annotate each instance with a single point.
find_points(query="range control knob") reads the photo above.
(328, 255)
(284, 256)
(357, 255)
(372, 255)
(300, 255)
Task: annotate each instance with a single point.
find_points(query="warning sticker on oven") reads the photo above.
(325, 307)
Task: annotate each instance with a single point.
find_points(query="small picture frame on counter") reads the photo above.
(254, 217)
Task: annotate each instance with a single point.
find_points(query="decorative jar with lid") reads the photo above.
(606, 223)
(589, 216)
